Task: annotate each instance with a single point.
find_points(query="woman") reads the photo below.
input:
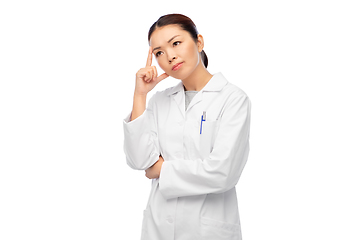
(191, 139)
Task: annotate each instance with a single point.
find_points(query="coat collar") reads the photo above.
(216, 84)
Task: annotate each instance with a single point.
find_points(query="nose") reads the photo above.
(171, 55)
(171, 59)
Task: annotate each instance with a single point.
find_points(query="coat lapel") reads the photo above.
(216, 84)
(197, 98)
(177, 94)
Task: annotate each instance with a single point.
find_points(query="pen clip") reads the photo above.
(203, 119)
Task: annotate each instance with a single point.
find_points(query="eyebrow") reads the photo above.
(168, 41)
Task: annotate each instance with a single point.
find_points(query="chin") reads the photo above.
(178, 76)
(181, 75)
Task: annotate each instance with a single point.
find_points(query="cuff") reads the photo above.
(165, 180)
(134, 125)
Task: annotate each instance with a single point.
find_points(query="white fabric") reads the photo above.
(195, 196)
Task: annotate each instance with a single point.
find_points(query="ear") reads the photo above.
(200, 43)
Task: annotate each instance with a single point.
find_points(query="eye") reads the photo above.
(158, 53)
(176, 43)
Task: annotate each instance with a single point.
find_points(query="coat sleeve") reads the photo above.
(141, 145)
(221, 170)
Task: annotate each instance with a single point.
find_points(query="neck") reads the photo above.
(197, 79)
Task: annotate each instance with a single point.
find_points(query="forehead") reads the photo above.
(161, 35)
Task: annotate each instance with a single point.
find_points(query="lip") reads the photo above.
(177, 66)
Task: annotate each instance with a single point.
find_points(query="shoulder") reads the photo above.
(232, 90)
(236, 99)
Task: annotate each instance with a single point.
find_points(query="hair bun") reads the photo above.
(204, 58)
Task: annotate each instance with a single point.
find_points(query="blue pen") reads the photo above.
(203, 119)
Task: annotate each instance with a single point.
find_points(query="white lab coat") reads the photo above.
(195, 196)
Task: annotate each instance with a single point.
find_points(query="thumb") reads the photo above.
(161, 77)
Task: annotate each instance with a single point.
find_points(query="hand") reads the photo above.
(154, 171)
(147, 78)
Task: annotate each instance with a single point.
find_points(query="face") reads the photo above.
(176, 51)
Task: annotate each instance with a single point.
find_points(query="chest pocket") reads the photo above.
(207, 137)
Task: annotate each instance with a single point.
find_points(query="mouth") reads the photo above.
(177, 66)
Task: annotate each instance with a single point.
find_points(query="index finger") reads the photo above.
(149, 59)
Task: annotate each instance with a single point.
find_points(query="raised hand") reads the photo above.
(147, 78)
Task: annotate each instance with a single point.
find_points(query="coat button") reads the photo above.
(170, 220)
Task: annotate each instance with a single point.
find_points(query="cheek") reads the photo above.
(162, 63)
(192, 53)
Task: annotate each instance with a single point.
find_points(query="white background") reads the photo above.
(67, 71)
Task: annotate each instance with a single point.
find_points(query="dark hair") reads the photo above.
(185, 23)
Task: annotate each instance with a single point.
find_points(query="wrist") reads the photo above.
(139, 94)
(139, 105)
